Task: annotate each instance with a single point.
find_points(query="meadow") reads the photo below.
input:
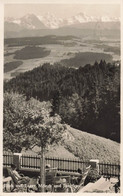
(79, 144)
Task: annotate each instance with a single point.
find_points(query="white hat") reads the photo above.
(63, 180)
(47, 165)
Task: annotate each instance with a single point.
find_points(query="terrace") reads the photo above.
(63, 174)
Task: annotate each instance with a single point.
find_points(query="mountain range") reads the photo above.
(50, 21)
(36, 25)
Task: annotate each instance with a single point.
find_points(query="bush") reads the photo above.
(93, 176)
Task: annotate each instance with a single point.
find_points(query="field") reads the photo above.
(83, 145)
(115, 49)
(36, 51)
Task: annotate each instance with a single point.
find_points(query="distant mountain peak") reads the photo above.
(29, 16)
(50, 21)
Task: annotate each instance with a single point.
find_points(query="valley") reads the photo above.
(52, 49)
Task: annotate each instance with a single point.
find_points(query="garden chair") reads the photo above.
(16, 184)
(50, 174)
(61, 183)
(81, 183)
(56, 181)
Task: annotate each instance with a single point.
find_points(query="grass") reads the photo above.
(79, 144)
(56, 151)
(88, 146)
(12, 65)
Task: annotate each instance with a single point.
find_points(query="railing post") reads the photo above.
(17, 160)
(95, 164)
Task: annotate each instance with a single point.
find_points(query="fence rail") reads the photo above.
(61, 164)
(109, 169)
(33, 162)
(7, 159)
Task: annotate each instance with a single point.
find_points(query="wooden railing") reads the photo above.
(7, 158)
(68, 165)
(61, 164)
(108, 169)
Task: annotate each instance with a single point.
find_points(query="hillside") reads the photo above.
(63, 31)
(56, 151)
(24, 121)
(90, 146)
(79, 144)
(87, 98)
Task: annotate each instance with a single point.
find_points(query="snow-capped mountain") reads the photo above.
(108, 19)
(81, 18)
(29, 21)
(50, 21)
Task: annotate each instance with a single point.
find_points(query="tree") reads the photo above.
(28, 123)
(56, 102)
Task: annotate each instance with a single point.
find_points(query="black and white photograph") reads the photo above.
(61, 97)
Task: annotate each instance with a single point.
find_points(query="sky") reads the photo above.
(62, 10)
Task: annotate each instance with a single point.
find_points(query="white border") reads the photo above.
(2, 3)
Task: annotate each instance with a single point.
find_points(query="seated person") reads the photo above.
(47, 167)
(20, 179)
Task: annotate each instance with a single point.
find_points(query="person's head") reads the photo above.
(13, 166)
(79, 171)
(47, 166)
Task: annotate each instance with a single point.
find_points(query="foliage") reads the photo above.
(82, 58)
(93, 176)
(12, 65)
(87, 98)
(25, 41)
(28, 123)
(31, 52)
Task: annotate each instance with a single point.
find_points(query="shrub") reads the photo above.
(93, 176)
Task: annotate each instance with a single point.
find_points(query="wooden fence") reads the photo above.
(108, 169)
(33, 162)
(7, 159)
(61, 164)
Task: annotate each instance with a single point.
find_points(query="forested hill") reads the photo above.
(87, 98)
